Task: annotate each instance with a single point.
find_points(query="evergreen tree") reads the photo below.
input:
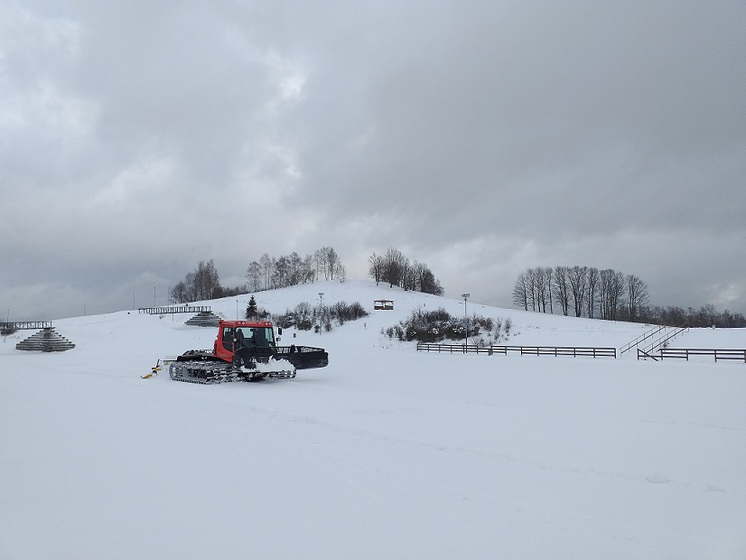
(251, 310)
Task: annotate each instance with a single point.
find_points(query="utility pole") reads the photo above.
(466, 322)
(321, 311)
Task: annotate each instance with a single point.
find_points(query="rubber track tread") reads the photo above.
(212, 373)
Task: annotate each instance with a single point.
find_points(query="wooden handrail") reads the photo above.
(717, 353)
(685, 353)
(575, 351)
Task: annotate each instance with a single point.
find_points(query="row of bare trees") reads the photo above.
(201, 284)
(396, 269)
(582, 291)
(265, 274)
(705, 316)
(270, 273)
(607, 294)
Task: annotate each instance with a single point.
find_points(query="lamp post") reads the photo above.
(321, 311)
(466, 322)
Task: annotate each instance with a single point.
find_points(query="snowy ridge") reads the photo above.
(385, 453)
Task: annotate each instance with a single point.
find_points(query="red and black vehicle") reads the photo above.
(246, 351)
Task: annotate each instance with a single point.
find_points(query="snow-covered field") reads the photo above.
(387, 453)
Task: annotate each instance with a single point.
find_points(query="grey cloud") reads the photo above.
(482, 137)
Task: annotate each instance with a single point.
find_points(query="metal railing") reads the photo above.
(642, 338)
(175, 309)
(661, 342)
(25, 325)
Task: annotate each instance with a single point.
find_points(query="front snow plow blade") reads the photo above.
(303, 357)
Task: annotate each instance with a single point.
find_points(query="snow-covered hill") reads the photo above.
(386, 453)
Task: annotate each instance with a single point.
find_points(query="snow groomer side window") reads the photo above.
(264, 337)
(228, 339)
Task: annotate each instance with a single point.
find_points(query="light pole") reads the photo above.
(466, 322)
(321, 311)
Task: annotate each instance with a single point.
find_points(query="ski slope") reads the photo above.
(387, 453)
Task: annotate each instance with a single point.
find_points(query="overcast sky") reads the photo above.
(479, 137)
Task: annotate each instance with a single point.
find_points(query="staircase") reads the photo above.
(668, 333)
(204, 319)
(663, 340)
(642, 338)
(46, 340)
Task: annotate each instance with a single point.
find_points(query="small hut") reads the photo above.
(383, 304)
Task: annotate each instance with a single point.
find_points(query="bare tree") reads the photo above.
(637, 296)
(562, 288)
(520, 291)
(180, 293)
(540, 285)
(549, 279)
(396, 269)
(281, 273)
(330, 262)
(376, 265)
(292, 269)
(267, 266)
(426, 281)
(203, 283)
(206, 281)
(592, 287)
(531, 285)
(327, 263)
(254, 276)
(409, 275)
(394, 262)
(611, 290)
(578, 278)
(296, 269)
(310, 270)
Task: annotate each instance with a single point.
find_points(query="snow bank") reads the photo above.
(386, 453)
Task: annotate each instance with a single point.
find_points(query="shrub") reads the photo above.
(344, 312)
(306, 317)
(438, 325)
